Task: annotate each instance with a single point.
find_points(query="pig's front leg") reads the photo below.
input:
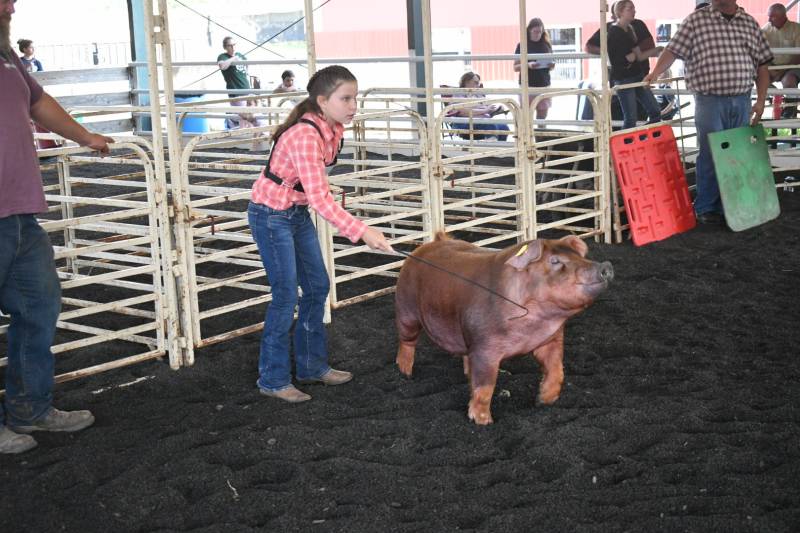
(551, 358)
(483, 377)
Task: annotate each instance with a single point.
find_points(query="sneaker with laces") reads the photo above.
(11, 442)
(289, 394)
(331, 377)
(56, 420)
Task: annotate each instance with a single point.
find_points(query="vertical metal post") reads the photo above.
(324, 232)
(137, 13)
(523, 64)
(67, 210)
(416, 48)
(605, 129)
(311, 48)
(526, 149)
(434, 177)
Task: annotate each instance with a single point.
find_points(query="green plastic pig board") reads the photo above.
(746, 182)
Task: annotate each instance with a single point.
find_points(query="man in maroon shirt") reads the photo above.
(30, 292)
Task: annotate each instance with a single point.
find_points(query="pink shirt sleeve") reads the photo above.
(305, 149)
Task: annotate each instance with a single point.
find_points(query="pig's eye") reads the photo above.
(555, 262)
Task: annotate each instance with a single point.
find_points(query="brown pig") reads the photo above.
(550, 280)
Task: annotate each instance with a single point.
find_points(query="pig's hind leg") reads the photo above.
(551, 359)
(482, 380)
(408, 330)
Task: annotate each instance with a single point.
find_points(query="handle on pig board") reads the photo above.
(473, 282)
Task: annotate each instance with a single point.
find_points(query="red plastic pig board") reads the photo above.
(652, 183)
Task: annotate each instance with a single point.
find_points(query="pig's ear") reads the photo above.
(576, 244)
(526, 254)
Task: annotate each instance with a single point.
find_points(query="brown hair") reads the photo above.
(323, 83)
(537, 22)
(466, 77)
(24, 44)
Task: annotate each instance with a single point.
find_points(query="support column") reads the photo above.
(526, 154)
(416, 47)
(139, 75)
(311, 47)
(606, 173)
(435, 171)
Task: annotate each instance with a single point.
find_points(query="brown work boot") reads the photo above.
(331, 377)
(11, 442)
(56, 420)
(289, 394)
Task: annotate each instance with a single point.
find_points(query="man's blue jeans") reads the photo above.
(31, 294)
(289, 248)
(714, 113)
(628, 99)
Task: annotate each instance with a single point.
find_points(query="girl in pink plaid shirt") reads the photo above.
(294, 179)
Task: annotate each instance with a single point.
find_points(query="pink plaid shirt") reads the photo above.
(301, 154)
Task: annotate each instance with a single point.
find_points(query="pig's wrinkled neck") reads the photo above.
(528, 290)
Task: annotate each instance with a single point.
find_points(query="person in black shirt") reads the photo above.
(644, 39)
(538, 71)
(629, 63)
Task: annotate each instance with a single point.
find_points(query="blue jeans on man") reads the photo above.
(628, 99)
(714, 113)
(31, 294)
(289, 248)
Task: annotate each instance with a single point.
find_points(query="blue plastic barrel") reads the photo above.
(193, 123)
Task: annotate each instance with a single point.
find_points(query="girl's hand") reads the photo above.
(533, 64)
(630, 57)
(376, 240)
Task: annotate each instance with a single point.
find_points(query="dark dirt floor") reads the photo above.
(680, 412)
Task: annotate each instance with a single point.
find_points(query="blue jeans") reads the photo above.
(31, 294)
(714, 113)
(628, 98)
(289, 248)
(459, 124)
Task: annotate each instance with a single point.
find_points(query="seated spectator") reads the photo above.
(28, 61)
(470, 80)
(287, 83)
(781, 32)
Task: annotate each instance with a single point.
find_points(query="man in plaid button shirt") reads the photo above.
(723, 50)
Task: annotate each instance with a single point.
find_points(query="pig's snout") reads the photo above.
(606, 271)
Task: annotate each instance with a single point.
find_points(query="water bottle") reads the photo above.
(789, 184)
(777, 106)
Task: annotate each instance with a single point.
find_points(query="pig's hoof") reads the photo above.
(547, 399)
(405, 359)
(480, 416)
(405, 367)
